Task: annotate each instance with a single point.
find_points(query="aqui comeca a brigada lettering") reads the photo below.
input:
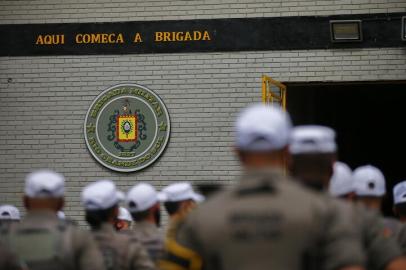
(119, 38)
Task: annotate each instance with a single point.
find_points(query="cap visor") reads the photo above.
(198, 198)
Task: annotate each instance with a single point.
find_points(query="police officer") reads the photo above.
(180, 199)
(266, 221)
(41, 240)
(399, 201)
(143, 202)
(341, 184)
(124, 220)
(313, 150)
(369, 184)
(9, 215)
(120, 251)
(370, 188)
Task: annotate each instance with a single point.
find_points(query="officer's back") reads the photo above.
(121, 251)
(41, 240)
(267, 221)
(143, 202)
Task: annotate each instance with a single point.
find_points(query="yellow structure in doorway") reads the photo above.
(273, 91)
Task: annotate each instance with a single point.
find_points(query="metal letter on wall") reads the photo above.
(127, 127)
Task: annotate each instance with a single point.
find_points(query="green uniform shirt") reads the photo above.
(43, 238)
(396, 229)
(266, 222)
(121, 250)
(380, 247)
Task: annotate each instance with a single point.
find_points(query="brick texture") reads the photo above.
(47, 11)
(43, 100)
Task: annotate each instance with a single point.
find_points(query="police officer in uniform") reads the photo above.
(341, 184)
(313, 151)
(121, 251)
(41, 240)
(180, 199)
(370, 186)
(143, 202)
(267, 221)
(124, 220)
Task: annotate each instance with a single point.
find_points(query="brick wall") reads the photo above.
(43, 100)
(41, 11)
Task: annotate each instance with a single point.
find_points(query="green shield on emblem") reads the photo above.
(127, 127)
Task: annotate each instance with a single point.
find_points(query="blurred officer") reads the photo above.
(9, 215)
(369, 184)
(41, 240)
(267, 221)
(399, 199)
(143, 202)
(120, 251)
(180, 199)
(313, 150)
(370, 188)
(341, 184)
(124, 220)
(313, 153)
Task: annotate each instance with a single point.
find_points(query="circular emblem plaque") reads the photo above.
(127, 127)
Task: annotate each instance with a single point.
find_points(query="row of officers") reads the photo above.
(294, 207)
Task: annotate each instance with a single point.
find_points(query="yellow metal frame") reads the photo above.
(270, 97)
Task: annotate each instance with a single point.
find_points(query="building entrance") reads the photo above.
(369, 118)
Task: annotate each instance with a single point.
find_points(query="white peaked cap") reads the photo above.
(44, 184)
(262, 128)
(399, 193)
(142, 197)
(312, 140)
(369, 181)
(180, 192)
(341, 183)
(124, 214)
(9, 212)
(101, 195)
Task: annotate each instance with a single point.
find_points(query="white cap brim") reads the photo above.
(198, 198)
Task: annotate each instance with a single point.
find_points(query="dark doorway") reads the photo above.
(368, 119)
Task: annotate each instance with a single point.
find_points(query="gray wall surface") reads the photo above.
(43, 100)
